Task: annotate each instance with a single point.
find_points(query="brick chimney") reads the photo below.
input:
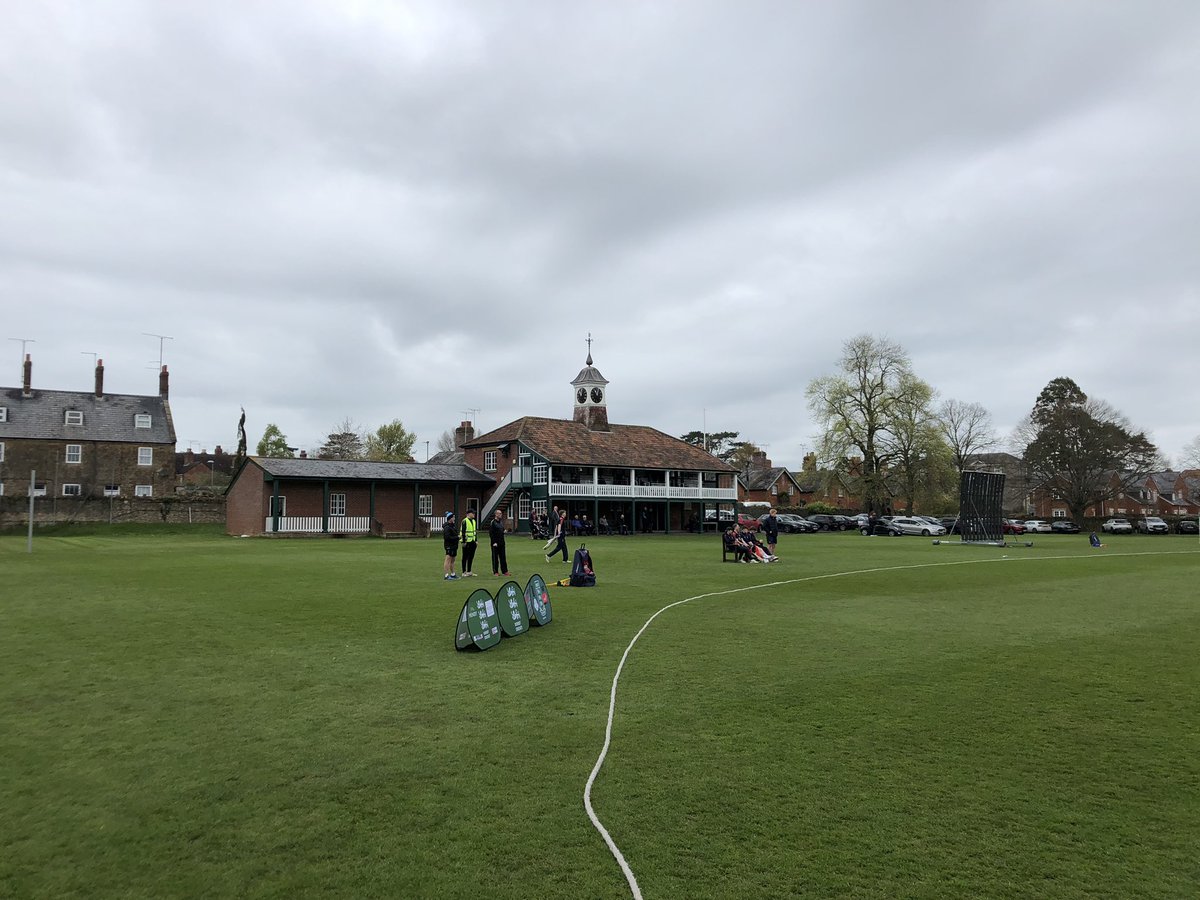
(463, 434)
(99, 378)
(189, 457)
(163, 388)
(758, 460)
(28, 376)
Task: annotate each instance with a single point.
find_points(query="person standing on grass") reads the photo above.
(450, 543)
(470, 542)
(496, 536)
(560, 535)
(771, 530)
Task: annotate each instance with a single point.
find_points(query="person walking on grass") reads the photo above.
(560, 535)
(496, 536)
(450, 543)
(468, 531)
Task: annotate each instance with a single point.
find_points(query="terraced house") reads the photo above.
(80, 446)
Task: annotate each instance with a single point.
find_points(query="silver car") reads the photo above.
(907, 525)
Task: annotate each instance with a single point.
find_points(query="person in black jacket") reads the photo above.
(496, 536)
(770, 527)
(450, 542)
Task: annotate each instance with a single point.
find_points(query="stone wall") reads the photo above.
(14, 511)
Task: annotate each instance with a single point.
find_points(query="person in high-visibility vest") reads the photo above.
(469, 543)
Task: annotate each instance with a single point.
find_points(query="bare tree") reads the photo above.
(1191, 454)
(446, 443)
(967, 428)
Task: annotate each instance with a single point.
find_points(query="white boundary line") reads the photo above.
(612, 695)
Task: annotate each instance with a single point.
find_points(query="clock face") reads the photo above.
(581, 395)
(597, 395)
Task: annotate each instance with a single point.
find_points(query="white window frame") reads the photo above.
(425, 505)
(72, 490)
(541, 473)
(524, 507)
(1, 451)
(73, 417)
(3, 413)
(489, 460)
(145, 456)
(337, 504)
(112, 490)
(74, 455)
(39, 489)
(142, 420)
(282, 501)
(1, 488)
(143, 490)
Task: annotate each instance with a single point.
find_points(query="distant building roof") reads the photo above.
(566, 442)
(109, 417)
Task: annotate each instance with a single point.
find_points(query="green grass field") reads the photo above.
(186, 714)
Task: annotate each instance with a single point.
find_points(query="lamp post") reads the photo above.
(212, 474)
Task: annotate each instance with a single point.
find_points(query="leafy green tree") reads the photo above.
(274, 443)
(863, 409)
(1082, 450)
(919, 471)
(391, 443)
(721, 444)
(344, 442)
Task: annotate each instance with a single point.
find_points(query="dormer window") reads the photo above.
(141, 420)
(74, 417)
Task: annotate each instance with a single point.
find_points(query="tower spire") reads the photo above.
(589, 342)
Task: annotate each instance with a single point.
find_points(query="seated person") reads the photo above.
(736, 546)
(604, 526)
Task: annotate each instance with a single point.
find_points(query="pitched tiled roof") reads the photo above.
(566, 442)
(109, 417)
(759, 479)
(363, 470)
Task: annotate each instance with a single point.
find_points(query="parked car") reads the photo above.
(827, 522)
(1037, 525)
(948, 522)
(1012, 526)
(1063, 526)
(882, 528)
(1152, 525)
(1187, 526)
(748, 522)
(1117, 526)
(790, 524)
(909, 525)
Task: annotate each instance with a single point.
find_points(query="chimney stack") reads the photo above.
(162, 383)
(28, 375)
(463, 434)
(99, 378)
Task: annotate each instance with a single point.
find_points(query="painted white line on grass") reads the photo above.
(612, 695)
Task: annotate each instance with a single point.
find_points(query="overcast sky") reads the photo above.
(374, 210)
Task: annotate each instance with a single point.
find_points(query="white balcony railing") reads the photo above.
(651, 491)
(316, 525)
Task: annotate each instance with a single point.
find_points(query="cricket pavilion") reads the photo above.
(589, 466)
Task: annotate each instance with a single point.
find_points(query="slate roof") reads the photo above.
(110, 417)
(363, 470)
(570, 443)
(763, 479)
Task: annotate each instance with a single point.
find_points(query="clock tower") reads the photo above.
(591, 395)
